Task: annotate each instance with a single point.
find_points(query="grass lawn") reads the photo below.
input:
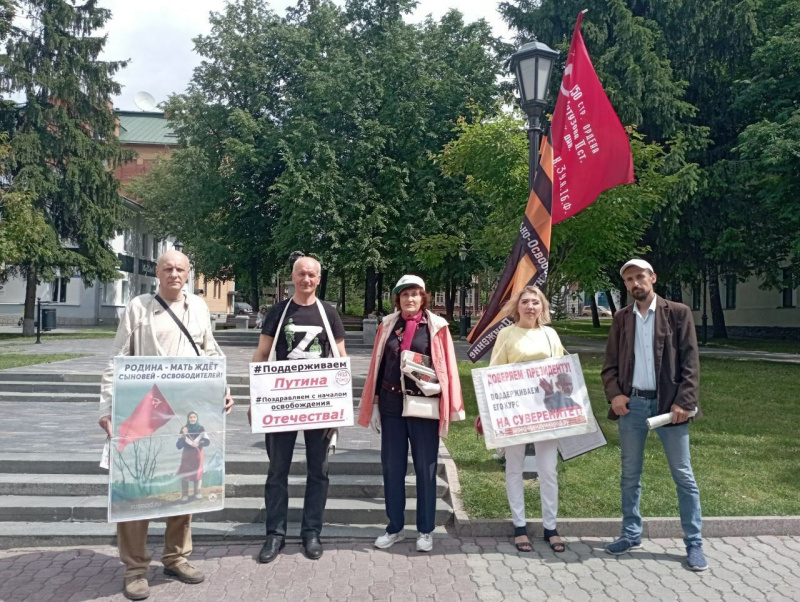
(582, 328)
(84, 333)
(16, 360)
(769, 345)
(744, 451)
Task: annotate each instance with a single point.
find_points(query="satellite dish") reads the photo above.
(145, 101)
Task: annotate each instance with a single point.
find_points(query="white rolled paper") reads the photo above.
(664, 419)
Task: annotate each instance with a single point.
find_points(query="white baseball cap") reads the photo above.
(406, 281)
(636, 263)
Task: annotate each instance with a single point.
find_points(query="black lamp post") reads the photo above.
(465, 321)
(38, 320)
(178, 246)
(532, 64)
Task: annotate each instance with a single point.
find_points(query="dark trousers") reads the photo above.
(280, 447)
(396, 433)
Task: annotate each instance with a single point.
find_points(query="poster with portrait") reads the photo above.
(167, 451)
(533, 401)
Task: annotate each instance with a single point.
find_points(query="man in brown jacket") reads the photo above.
(652, 367)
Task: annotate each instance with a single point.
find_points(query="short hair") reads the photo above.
(426, 298)
(511, 308)
(563, 377)
(306, 257)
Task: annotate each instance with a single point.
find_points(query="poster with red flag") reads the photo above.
(591, 151)
(167, 452)
(586, 152)
(151, 414)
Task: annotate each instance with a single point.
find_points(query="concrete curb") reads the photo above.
(652, 527)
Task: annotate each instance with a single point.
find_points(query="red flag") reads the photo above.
(151, 414)
(591, 152)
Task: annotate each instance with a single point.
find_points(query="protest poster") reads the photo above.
(298, 395)
(167, 452)
(533, 401)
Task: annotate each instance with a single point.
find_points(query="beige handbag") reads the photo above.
(415, 406)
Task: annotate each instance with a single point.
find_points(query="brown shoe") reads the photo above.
(185, 572)
(136, 588)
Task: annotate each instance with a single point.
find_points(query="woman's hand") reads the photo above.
(375, 421)
(184, 431)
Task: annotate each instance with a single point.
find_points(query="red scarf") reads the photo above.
(410, 330)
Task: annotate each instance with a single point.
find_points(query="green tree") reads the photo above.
(214, 193)
(769, 147)
(63, 145)
(492, 156)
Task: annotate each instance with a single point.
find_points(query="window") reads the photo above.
(156, 247)
(127, 241)
(58, 290)
(697, 296)
(788, 288)
(143, 288)
(217, 289)
(109, 293)
(730, 292)
(438, 299)
(470, 298)
(126, 292)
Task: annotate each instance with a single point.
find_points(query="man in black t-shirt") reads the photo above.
(302, 335)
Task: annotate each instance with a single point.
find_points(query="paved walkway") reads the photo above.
(486, 569)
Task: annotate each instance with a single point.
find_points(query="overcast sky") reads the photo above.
(156, 35)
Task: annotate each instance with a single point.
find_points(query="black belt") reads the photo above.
(643, 394)
(392, 388)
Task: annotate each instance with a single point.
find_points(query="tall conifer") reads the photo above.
(63, 141)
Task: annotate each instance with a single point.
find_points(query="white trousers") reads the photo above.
(546, 456)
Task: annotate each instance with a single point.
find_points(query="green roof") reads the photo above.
(137, 127)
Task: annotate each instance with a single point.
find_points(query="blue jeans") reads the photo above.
(675, 439)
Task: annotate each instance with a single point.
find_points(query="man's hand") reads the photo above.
(105, 424)
(546, 385)
(620, 405)
(679, 414)
(228, 403)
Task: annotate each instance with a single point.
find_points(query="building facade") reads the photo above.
(98, 303)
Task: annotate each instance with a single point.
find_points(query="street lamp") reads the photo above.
(465, 321)
(532, 64)
(178, 246)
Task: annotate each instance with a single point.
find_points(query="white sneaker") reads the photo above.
(424, 542)
(387, 540)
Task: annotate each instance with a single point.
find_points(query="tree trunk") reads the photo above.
(254, 284)
(323, 285)
(611, 305)
(342, 300)
(717, 315)
(29, 315)
(369, 291)
(595, 315)
(380, 293)
(449, 299)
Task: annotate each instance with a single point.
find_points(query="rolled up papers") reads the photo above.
(664, 419)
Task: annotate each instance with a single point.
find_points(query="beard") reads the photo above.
(640, 294)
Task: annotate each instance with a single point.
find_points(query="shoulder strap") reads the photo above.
(180, 324)
(328, 331)
(272, 351)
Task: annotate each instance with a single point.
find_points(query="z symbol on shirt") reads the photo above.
(299, 352)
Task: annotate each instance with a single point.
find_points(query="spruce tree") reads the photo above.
(63, 142)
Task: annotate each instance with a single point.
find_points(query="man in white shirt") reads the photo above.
(146, 328)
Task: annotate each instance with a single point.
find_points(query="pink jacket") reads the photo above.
(443, 356)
